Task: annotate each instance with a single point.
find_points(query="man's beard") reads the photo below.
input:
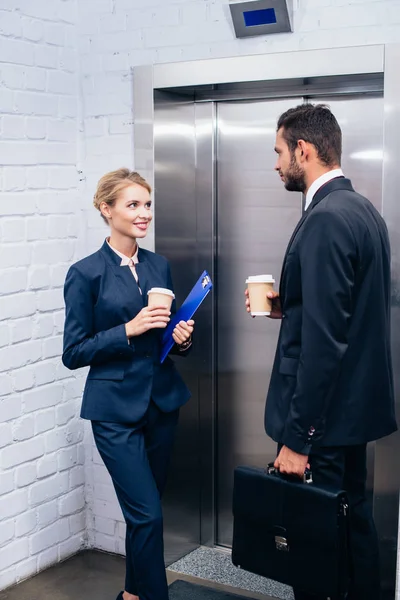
(294, 177)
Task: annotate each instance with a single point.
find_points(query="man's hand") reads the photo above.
(291, 463)
(276, 311)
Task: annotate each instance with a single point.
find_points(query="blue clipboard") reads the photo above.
(186, 311)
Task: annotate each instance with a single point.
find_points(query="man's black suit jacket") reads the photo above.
(331, 383)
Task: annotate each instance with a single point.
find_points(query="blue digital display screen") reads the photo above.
(264, 16)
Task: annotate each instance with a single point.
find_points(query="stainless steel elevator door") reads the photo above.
(255, 218)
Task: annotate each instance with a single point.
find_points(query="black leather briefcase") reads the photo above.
(291, 531)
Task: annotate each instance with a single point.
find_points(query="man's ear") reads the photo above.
(303, 150)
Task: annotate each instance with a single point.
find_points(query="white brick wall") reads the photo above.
(42, 502)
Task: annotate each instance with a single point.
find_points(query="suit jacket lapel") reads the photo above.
(339, 183)
(126, 283)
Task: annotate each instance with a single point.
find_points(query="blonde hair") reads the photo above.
(112, 183)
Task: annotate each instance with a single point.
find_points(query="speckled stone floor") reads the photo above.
(216, 565)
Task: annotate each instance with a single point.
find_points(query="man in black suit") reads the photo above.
(331, 389)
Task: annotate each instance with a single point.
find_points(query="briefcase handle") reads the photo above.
(307, 478)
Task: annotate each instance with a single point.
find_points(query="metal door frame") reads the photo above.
(316, 63)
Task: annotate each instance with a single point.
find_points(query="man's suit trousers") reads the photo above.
(136, 456)
(346, 468)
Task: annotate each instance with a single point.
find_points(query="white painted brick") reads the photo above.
(77, 523)
(12, 76)
(65, 412)
(23, 429)
(139, 19)
(68, 60)
(71, 546)
(72, 502)
(102, 6)
(18, 453)
(47, 558)
(111, 509)
(123, 41)
(25, 523)
(14, 255)
(48, 489)
(47, 514)
(54, 34)
(17, 52)
(7, 483)
(120, 124)
(115, 62)
(37, 178)
(59, 319)
(46, 56)
(167, 16)
(14, 179)
(63, 437)
(43, 397)
(45, 420)
(5, 434)
(49, 300)
(13, 280)
(10, 408)
(45, 372)
(32, 29)
(25, 475)
(95, 127)
(15, 552)
(49, 252)
(10, 24)
(59, 272)
(13, 127)
(35, 79)
(60, 82)
(5, 385)
(7, 530)
(77, 476)
(35, 104)
(60, 130)
(4, 335)
(104, 542)
(52, 347)
(8, 577)
(23, 379)
(26, 569)
(56, 203)
(21, 330)
(67, 458)
(39, 276)
(112, 23)
(13, 504)
(20, 305)
(14, 357)
(35, 129)
(46, 466)
(7, 101)
(58, 532)
(74, 387)
(67, 108)
(106, 526)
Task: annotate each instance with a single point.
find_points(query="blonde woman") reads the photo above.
(131, 399)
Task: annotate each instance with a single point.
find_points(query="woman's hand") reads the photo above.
(183, 332)
(156, 317)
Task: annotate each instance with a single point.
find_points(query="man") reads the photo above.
(331, 389)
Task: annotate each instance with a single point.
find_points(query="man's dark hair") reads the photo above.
(315, 124)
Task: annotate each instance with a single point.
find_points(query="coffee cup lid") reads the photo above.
(260, 279)
(161, 291)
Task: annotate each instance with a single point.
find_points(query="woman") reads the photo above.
(131, 399)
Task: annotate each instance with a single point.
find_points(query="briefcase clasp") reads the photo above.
(281, 543)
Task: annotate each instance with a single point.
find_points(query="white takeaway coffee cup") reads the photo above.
(259, 286)
(160, 297)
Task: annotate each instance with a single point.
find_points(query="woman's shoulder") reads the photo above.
(88, 266)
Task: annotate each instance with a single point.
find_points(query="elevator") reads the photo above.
(220, 206)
